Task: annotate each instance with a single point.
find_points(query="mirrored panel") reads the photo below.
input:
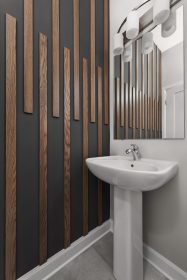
(149, 83)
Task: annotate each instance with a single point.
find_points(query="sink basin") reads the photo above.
(130, 179)
(142, 175)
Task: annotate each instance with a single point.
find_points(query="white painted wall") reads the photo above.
(165, 210)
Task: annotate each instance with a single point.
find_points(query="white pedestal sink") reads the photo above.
(130, 179)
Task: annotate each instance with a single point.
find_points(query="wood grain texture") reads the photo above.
(143, 92)
(126, 111)
(10, 228)
(85, 146)
(106, 61)
(100, 143)
(122, 103)
(137, 84)
(92, 58)
(67, 148)
(134, 111)
(43, 149)
(76, 60)
(56, 57)
(130, 95)
(28, 56)
(117, 108)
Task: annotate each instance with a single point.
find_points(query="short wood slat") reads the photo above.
(10, 228)
(56, 57)
(67, 148)
(28, 56)
(85, 146)
(43, 149)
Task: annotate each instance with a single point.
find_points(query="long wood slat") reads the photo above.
(67, 143)
(126, 111)
(28, 56)
(10, 229)
(130, 95)
(137, 84)
(92, 58)
(134, 111)
(76, 60)
(56, 57)
(117, 108)
(122, 95)
(100, 144)
(85, 146)
(43, 149)
(106, 60)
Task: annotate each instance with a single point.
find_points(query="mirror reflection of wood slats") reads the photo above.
(138, 98)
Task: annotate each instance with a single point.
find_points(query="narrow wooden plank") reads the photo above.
(130, 96)
(157, 88)
(92, 58)
(67, 143)
(100, 143)
(76, 60)
(122, 94)
(106, 60)
(10, 229)
(117, 107)
(143, 92)
(153, 91)
(126, 111)
(137, 84)
(134, 111)
(28, 56)
(160, 94)
(43, 149)
(56, 57)
(85, 146)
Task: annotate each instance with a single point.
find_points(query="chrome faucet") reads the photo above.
(134, 150)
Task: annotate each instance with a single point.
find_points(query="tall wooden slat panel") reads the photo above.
(56, 57)
(28, 56)
(67, 143)
(85, 146)
(126, 111)
(76, 60)
(106, 60)
(43, 150)
(143, 92)
(134, 111)
(100, 144)
(92, 57)
(10, 230)
(117, 108)
(130, 95)
(153, 92)
(122, 103)
(137, 84)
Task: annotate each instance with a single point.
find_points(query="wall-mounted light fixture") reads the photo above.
(127, 53)
(170, 25)
(147, 43)
(132, 25)
(161, 11)
(118, 44)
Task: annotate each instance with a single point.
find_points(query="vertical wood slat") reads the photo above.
(126, 111)
(67, 143)
(106, 61)
(100, 144)
(85, 146)
(153, 91)
(157, 89)
(76, 61)
(92, 58)
(117, 107)
(134, 111)
(143, 92)
(56, 57)
(122, 95)
(137, 83)
(130, 96)
(10, 229)
(160, 94)
(28, 56)
(43, 149)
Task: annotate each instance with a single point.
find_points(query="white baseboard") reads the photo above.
(59, 260)
(166, 267)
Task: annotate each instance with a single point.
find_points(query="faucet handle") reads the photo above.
(135, 147)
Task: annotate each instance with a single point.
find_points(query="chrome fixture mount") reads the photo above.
(135, 151)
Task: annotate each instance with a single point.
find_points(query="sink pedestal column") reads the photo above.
(128, 242)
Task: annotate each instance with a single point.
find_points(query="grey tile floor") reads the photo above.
(96, 264)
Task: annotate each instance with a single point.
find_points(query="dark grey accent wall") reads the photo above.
(28, 136)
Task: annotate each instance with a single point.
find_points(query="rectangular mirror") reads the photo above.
(149, 89)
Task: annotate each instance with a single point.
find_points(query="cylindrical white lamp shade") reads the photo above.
(118, 44)
(147, 43)
(161, 11)
(132, 25)
(170, 25)
(127, 54)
